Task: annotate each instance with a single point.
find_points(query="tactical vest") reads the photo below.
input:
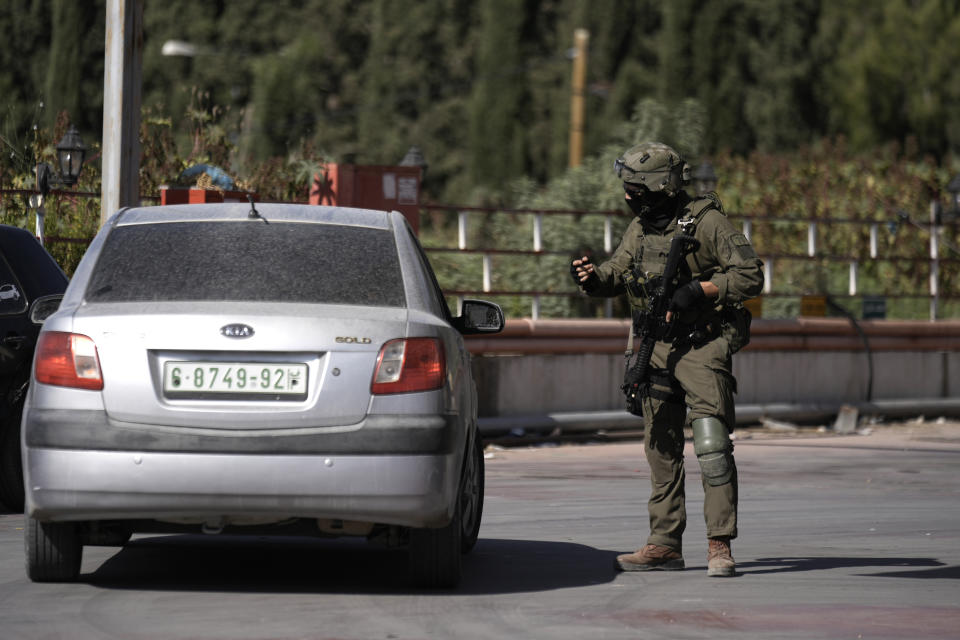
(700, 325)
(650, 260)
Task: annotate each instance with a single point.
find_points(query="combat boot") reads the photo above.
(652, 556)
(719, 558)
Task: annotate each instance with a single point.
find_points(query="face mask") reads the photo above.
(652, 207)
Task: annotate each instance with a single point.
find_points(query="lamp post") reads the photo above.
(704, 178)
(71, 152)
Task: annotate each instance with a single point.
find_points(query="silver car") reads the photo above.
(272, 369)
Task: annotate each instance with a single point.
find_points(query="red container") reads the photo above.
(384, 188)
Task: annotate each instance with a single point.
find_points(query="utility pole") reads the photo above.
(122, 79)
(580, 39)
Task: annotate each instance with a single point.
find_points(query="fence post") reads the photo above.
(934, 260)
(608, 234)
(874, 228)
(486, 272)
(747, 228)
(36, 202)
(462, 229)
(768, 275)
(535, 307)
(538, 232)
(853, 277)
(812, 239)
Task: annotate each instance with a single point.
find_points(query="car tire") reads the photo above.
(53, 550)
(11, 464)
(435, 558)
(435, 554)
(471, 498)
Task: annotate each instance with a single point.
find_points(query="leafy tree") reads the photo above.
(415, 82)
(283, 108)
(778, 102)
(483, 88)
(171, 82)
(496, 124)
(895, 71)
(72, 83)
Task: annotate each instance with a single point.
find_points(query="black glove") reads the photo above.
(576, 276)
(687, 296)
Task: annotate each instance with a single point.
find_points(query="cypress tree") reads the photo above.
(495, 138)
(62, 84)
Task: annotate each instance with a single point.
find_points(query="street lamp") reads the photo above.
(704, 178)
(70, 156)
(71, 153)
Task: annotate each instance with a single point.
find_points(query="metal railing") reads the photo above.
(931, 258)
(933, 261)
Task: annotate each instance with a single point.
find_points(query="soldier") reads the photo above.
(691, 373)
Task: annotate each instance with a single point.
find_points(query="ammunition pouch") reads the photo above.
(733, 323)
(698, 334)
(635, 400)
(636, 286)
(659, 384)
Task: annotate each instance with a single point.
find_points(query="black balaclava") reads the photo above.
(654, 208)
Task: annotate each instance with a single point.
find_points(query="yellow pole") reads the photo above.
(580, 39)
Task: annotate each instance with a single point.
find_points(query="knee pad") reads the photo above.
(711, 443)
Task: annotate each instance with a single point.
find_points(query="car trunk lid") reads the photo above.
(228, 366)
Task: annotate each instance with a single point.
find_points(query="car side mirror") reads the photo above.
(44, 307)
(479, 316)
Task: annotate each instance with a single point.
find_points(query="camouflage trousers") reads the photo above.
(706, 376)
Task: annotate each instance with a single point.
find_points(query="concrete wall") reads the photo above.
(541, 383)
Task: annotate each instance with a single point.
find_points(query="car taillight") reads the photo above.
(68, 360)
(410, 364)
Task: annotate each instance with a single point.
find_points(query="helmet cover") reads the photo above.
(654, 166)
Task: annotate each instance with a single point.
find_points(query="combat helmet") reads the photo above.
(653, 165)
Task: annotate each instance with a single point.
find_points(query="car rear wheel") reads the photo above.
(471, 498)
(435, 555)
(53, 551)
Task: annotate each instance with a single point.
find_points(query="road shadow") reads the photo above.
(304, 565)
(937, 573)
(787, 565)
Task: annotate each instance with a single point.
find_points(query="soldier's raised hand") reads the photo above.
(581, 269)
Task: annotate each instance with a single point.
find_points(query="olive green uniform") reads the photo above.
(699, 360)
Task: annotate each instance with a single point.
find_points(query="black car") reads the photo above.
(27, 273)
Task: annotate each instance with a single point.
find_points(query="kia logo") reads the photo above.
(236, 330)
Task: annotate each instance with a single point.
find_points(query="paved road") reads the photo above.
(841, 537)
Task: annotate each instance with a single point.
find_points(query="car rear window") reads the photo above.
(249, 260)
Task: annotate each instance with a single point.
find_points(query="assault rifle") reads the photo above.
(650, 323)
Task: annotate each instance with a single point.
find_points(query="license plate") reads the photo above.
(243, 379)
